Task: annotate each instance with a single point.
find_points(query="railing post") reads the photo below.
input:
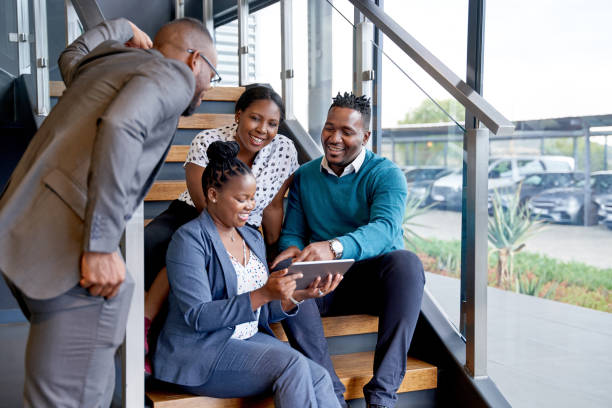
(476, 154)
(319, 66)
(179, 8)
(133, 345)
(475, 63)
(286, 9)
(73, 27)
(377, 134)
(22, 37)
(243, 45)
(89, 13)
(208, 17)
(43, 102)
(363, 73)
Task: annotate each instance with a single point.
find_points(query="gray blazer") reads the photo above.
(204, 307)
(93, 159)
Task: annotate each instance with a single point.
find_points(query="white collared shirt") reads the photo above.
(353, 167)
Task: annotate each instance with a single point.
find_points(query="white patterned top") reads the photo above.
(250, 277)
(272, 166)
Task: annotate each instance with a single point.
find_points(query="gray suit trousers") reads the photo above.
(71, 346)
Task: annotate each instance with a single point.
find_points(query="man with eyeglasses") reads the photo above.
(81, 178)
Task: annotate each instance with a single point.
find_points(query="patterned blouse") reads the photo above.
(272, 166)
(250, 277)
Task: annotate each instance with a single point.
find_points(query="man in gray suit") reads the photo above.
(86, 170)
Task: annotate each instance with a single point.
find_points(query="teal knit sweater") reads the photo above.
(364, 210)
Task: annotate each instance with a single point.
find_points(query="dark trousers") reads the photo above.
(389, 286)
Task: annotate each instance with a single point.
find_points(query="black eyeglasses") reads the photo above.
(217, 77)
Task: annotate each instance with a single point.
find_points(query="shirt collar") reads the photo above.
(353, 167)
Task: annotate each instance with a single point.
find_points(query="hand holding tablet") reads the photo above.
(314, 269)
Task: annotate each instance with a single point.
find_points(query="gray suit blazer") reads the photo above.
(93, 159)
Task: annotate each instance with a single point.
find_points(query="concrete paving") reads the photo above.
(590, 245)
(541, 353)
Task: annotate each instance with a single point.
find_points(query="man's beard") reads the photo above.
(195, 102)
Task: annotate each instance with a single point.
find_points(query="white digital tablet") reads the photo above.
(314, 269)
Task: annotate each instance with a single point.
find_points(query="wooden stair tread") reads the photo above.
(177, 154)
(354, 370)
(223, 93)
(206, 121)
(166, 190)
(218, 93)
(338, 326)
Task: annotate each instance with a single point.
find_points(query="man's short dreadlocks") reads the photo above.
(359, 103)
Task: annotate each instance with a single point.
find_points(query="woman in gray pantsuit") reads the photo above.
(217, 340)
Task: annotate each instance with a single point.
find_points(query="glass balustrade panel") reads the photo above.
(547, 67)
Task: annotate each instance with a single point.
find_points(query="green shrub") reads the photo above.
(540, 275)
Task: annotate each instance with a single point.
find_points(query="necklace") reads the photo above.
(232, 236)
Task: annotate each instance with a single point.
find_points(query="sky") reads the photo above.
(543, 58)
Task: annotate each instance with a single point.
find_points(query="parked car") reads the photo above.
(566, 204)
(605, 212)
(534, 184)
(504, 173)
(420, 180)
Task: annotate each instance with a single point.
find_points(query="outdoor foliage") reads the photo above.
(413, 209)
(428, 112)
(509, 228)
(569, 282)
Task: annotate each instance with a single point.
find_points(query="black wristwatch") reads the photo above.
(336, 247)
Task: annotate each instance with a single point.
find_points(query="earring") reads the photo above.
(214, 201)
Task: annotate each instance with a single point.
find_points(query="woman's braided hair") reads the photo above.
(223, 164)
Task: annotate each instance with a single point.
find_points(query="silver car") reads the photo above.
(566, 205)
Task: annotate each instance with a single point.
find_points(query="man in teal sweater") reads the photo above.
(350, 204)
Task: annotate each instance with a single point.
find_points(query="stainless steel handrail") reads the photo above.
(469, 98)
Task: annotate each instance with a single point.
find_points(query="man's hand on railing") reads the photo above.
(140, 39)
(102, 273)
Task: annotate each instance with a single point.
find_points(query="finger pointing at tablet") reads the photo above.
(317, 251)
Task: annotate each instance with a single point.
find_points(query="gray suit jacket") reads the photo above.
(93, 159)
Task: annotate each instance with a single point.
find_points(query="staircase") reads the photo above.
(354, 369)
(351, 339)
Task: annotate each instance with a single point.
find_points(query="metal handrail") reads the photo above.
(443, 75)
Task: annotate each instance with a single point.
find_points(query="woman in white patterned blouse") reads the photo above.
(272, 158)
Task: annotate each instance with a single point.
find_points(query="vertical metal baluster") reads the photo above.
(43, 102)
(133, 345)
(179, 8)
(377, 133)
(243, 45)
(22, 36)
(208, 17)
(286, 9)
(475, 250)
(73, 26)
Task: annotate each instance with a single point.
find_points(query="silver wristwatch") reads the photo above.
(336, 247)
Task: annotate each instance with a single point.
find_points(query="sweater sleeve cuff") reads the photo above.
(350, 248)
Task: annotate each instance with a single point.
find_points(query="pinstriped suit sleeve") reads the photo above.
(118, 30)
(157, 94)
